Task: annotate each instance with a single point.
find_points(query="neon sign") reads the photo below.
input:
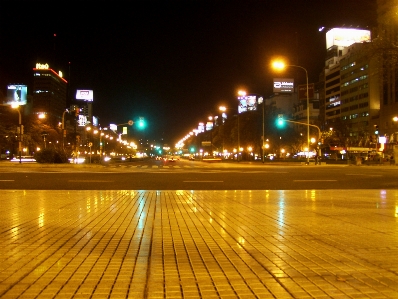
(42, 66)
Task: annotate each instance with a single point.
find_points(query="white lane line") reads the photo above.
(90, 181)
(203, 181)
(7, 180)
(314, 180)
(364, 174)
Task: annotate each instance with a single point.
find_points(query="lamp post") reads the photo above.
(20, 131)
(279, 65)
(223, 108)
(63, 129)
(210, 118)
(262, 148)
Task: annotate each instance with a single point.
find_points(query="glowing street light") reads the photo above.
(280, 66)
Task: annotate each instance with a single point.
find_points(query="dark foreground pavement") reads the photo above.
(199, 244)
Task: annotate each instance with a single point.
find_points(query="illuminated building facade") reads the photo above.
(49, 93)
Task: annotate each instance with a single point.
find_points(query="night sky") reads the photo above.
(171, 62)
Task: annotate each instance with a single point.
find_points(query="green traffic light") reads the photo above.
(280, 121)
(141, 123)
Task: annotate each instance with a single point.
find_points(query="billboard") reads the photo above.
(345, 37)
(85, 95)
(82, 120)
(302, 91)
(95, 121)
(247, 103)
(201, 127)
(17, 94)
(285, 85)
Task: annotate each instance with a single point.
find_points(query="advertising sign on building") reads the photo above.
(344, 37)
(302, 91)
(17, 94)
(247, 103)
(85, 95)
(82, 120)
(283, 85)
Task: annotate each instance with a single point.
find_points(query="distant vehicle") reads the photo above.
(23, 159)
(173, 158)
(191, 158)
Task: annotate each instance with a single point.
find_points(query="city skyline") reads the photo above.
(170, 62)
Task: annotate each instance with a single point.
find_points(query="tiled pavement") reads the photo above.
(199, 244)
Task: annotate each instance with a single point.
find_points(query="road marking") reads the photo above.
(7, 180)
(314, 180)
(90, 181)
(364, 174)
(203, 181)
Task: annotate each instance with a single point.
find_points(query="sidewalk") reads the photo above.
(199, 244)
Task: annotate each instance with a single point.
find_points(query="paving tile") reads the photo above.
(199, 244)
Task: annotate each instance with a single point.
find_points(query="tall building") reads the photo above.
(337, 41)
(360, 95)
(49, 93)
(386, 45)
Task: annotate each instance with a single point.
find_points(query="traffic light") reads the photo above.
(376, 129)
(280, 121)
(141, 123)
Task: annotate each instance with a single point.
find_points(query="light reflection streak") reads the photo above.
(41, 219)
(281, 210)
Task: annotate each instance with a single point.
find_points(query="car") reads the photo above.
(191, 158)
(174, 158)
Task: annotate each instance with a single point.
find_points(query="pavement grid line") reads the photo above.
(199, 244)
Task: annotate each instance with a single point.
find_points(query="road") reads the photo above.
(188, 175)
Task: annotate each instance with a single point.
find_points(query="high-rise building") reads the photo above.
(360, 95)
(386, 47)
(49, 93)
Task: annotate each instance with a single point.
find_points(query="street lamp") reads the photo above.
(16, 106)
(223, 109)
(210, 118)
(280, 65)
(63, 129)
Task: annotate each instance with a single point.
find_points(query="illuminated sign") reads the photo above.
(201, 127)
(345, 37)
(85, 95)
(283, 85)
(95, 121)
(41, 66)
(82, 120)
(17, 94)
(45, 66)
(247, 103)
